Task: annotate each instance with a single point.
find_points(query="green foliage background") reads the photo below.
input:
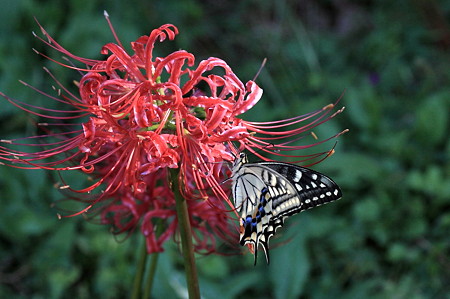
(389, 237)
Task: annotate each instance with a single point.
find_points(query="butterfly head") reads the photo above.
(240, 160)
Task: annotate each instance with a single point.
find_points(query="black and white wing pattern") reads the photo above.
(265, 193)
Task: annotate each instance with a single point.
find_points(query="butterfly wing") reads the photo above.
(262, 195)
(267, 192)
(313, 188)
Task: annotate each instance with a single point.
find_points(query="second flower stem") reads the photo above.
(184, 227)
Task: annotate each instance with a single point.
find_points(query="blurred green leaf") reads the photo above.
(289, 268)
(367, 209)
(432, 181)
(357, 168)
(433, 118)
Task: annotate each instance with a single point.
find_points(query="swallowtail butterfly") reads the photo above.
(265, 193)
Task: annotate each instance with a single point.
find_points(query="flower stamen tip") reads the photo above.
(6, 141)
(329, 106)
(314, 135)
(64, 187)
(343, 132)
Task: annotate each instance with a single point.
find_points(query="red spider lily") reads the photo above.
(139, 115)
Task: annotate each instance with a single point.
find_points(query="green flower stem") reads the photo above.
(137, 284)
(145, 290)
(151, 275)
(160, 226)
(184, 227)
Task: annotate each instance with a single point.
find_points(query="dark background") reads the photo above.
(389, 237)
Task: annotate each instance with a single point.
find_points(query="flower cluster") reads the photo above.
(139, 116)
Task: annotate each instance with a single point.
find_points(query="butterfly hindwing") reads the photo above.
(257, 190)
(265, 193)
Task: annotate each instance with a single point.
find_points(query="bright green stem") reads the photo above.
(142, 266)
(151, 275)
(184, 227)
(137, 284)
(160, 226)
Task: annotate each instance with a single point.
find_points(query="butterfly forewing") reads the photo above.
(313, 188)
(267, 192)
